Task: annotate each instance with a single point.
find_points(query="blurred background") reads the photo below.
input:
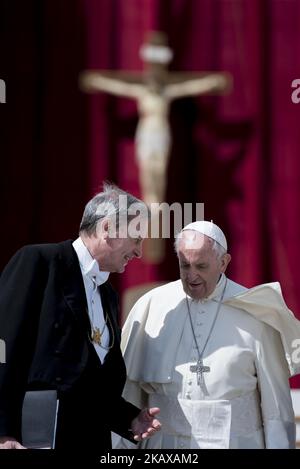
(237, 153)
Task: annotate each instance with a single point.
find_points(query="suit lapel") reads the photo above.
(72, 284)
(109, 305)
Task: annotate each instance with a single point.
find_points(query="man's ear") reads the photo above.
(103, 228)
(225, 261)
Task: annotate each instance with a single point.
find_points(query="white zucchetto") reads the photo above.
(209, 229)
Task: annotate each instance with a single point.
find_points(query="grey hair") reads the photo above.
(106, 204)
(219, 250)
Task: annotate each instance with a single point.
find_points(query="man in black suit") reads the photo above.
(58, 317)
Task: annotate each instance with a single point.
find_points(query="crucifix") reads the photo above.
(199, 368)
(154, 89)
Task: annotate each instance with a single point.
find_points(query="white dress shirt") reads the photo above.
(93, 277)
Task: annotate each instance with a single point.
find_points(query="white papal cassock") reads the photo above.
(245, 400)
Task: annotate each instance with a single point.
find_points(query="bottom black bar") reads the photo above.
(137, 458)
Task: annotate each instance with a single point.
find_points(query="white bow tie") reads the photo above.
(95, 274)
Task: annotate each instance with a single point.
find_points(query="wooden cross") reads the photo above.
(199, 368)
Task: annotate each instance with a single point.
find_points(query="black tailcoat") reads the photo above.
(45, 325)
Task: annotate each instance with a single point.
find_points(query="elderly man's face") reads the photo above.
(120, 252)
(114, 253)
(200, 268)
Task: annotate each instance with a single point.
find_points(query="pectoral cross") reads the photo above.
(199, 368)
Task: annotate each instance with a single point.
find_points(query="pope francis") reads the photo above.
(214, 356)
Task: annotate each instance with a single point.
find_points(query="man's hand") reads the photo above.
(145, 424)
(8, 442)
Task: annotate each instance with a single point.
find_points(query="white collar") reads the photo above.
(88, 264)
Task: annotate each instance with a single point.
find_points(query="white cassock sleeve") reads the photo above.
(273, 381)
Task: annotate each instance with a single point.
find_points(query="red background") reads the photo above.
(239, 154)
